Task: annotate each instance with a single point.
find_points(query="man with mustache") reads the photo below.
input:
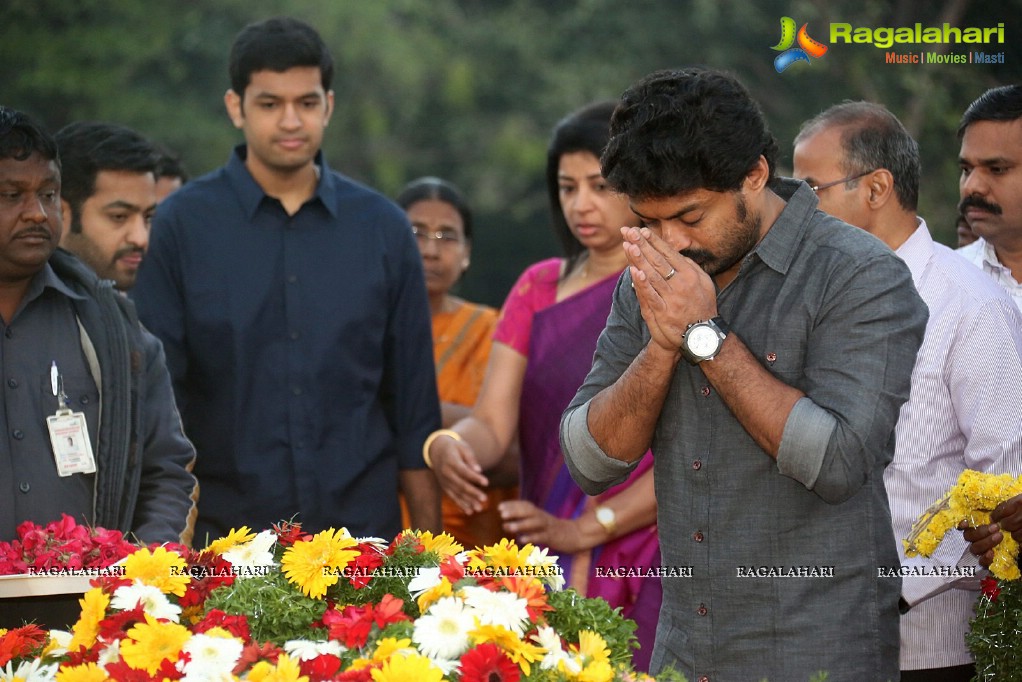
(991, 184)
(292, 305)
(964, 406)
(108, 194)
(88, 422)
(762, 349)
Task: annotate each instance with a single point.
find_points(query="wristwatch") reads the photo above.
(703, 340)
(606, 517)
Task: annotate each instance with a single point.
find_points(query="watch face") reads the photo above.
(702, 341)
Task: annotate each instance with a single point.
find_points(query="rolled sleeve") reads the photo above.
(806, 434)
(592, 468)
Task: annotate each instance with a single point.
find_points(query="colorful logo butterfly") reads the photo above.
(807, 47)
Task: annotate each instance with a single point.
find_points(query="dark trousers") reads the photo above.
(959, 673)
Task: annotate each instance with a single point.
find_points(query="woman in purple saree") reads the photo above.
(543, 348)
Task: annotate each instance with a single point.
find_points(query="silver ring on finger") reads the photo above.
(669, 275)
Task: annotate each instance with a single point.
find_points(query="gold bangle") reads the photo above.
(432, 437)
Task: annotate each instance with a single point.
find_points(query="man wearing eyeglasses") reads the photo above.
(292, 305)
(967, 380)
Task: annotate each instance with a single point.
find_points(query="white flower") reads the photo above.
(154, 602)
(426, 577)
(256, 552)
(548, 638)
(60, 640)
(29, 671)
(443, 632)
(306, 649)
(111, 653)
(553, 577)
(498, 608)
(211, 658)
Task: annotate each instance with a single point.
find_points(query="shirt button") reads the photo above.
(697, 465)
(697, 536)
(84, 400)
(9, 333)
(704, 678)
(771, 358)
(297, 390)
(24, 486)
(13, 383)
(294, 336)
(18, 434)
(702, 610)
(705, 390)
(291, 279)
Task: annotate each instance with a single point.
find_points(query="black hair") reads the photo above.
(871, 138)
(584, 130)
(684, 129)
(425, 188)
(88, 147)
(277, 44)
(169, 165)
(1002, 104)
(21, 136)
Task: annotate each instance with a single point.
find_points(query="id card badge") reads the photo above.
(69, 433)
(69, 436)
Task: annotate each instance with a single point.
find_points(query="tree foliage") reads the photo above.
(469, 89)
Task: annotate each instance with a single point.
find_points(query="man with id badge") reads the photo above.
(88, 426)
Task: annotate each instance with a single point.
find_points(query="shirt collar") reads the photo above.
(777, 248)
(47, 279)
(917, 251)
(251, 194)
(989, 256)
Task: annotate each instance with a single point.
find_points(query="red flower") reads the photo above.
(236, 625)
(21, 642)
(364, 564)
(288, 533)
(116, 626)
(252, 653)
(350, 626)
(322, 667)
(122, 672)
(990, 587)
(389, 610)
(487, 663)
(452, 569)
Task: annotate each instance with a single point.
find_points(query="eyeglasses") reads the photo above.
(817, 188)
(448, 238)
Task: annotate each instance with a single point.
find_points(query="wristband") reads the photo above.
(432, 437)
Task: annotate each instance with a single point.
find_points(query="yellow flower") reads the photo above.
(592, 646)
(971, 499)
(150, 643)
(313, 565)
(390, 646)
(286, 670)
(597, 671)
(442, 544)
(505, 554)
(402, 668)
(521, 652)
(86, 672)
(237, 536)
(166, 571)
(94, 604)
(435, 594)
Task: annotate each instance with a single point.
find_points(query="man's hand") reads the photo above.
(672, 290)
(1005, 518)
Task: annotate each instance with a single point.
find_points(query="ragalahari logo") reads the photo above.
(807, 47)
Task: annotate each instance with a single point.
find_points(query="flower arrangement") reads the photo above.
(971, 499)
(62, 545)
(993, 633)
(286, 606)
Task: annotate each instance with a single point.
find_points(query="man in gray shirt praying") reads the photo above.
(763, 350)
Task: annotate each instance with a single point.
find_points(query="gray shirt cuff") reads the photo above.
(592, 468)
(804, 443)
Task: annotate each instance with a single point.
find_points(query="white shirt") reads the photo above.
(963, 413)
(981, 254)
